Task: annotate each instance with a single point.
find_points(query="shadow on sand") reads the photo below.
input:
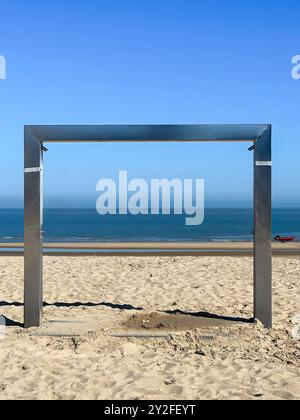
(126, 307)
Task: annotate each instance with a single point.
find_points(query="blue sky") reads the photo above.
(126, 61)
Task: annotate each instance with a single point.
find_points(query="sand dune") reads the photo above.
(240, 361)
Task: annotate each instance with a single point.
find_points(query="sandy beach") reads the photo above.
(126, 347)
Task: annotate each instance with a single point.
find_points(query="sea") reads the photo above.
(86, 225)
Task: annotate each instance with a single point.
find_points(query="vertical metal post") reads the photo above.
(33, 225)
(263, 229)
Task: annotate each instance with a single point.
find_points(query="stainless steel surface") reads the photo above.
(263, 229)
(148, 133)
(36, 135)
(33, 241)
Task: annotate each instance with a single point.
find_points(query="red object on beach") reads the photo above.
(284, 239)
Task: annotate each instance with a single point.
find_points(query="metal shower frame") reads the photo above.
(35, 136)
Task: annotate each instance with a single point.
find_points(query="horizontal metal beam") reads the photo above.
(148, 133)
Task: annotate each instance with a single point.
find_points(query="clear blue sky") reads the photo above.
(126, 61)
